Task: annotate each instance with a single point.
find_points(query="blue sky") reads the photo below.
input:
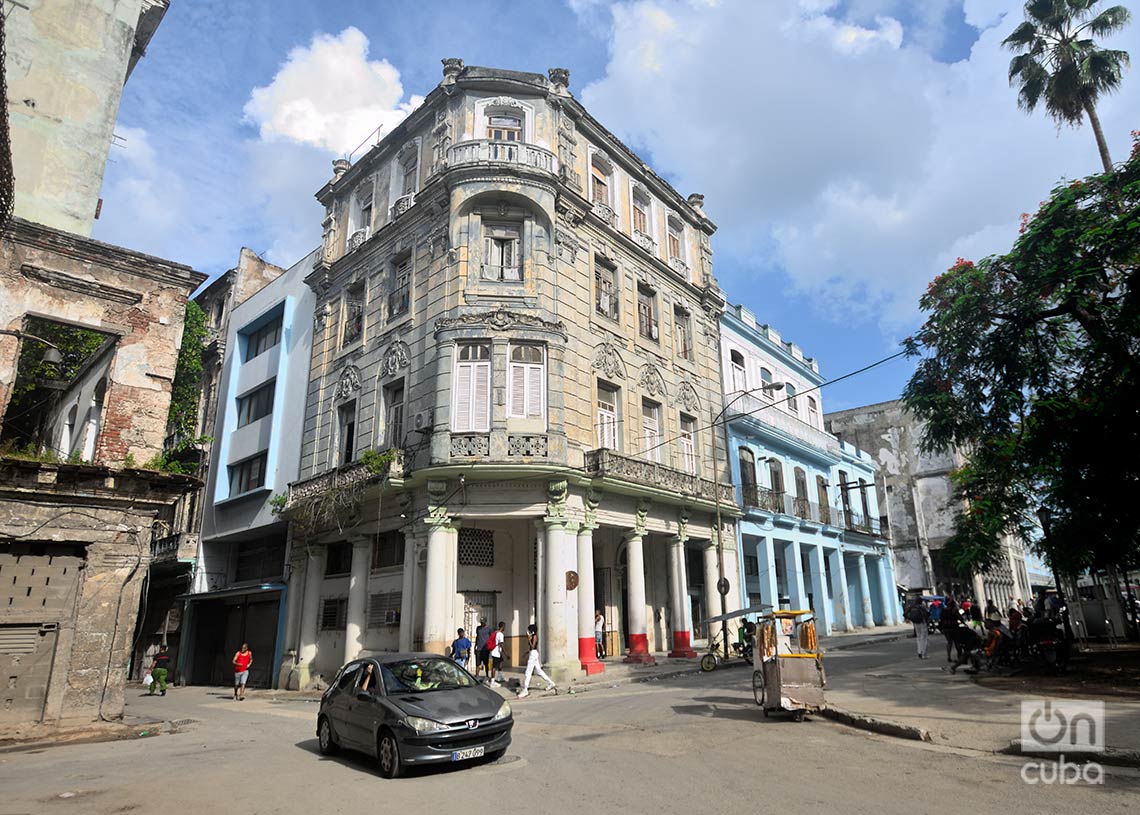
(849, 150)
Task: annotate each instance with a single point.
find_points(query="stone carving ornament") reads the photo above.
(651, 381)
(348, 384)
(687, 396)
(396, 357)
(608, 361)
(500, 319)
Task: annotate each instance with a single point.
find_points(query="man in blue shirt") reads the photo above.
(461, 648)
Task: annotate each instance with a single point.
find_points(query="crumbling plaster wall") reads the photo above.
(66, 64)
(140, 299)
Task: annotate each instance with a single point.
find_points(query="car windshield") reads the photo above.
(419, 675)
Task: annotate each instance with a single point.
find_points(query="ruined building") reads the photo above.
(515, 368)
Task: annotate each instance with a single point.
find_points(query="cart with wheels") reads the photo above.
(788, 665)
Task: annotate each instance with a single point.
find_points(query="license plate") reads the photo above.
(470, 752)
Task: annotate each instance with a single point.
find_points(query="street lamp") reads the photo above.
(52, 356)
(722, 586)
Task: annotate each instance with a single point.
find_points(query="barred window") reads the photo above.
(384, 608)
(338, 559)
(388, 549)
(476, 547)
(334, 613)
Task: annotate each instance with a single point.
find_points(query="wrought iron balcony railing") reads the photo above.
(342, 476)
(607, 463)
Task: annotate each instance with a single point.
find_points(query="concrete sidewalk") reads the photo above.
(952, 708)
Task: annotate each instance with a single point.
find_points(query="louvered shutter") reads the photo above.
(461, 418)
(480, 411)
(535, 379)
(518, 396)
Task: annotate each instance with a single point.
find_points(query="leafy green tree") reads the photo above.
(1029, 366)
(1059, 62)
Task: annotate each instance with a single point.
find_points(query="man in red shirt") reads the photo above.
(242, 660)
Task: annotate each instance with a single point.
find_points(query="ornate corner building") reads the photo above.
(514, 375)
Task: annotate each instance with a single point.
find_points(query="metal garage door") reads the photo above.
(25, 668)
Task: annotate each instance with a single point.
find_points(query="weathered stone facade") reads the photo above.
(77, 536)
(922, 505)
(66, 65)
(516, 302)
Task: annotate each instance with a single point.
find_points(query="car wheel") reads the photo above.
(708, 662)
(388, 755)
(325, 739)
(758, 687)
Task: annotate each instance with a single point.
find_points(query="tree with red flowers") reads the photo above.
(1029, 364)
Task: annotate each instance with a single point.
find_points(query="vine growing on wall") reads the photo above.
(338, 504)
(187, 387)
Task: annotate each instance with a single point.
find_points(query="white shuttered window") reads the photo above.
(471, 405)
(688, 444)
(651, 430)
(527, 377)
(607, 417)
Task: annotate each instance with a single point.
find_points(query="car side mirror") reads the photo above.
(364, 696)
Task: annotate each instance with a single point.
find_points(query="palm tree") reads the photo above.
(1060, 63)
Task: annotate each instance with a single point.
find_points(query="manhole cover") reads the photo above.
(181, 722)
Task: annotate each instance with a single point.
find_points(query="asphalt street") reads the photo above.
(691, 744)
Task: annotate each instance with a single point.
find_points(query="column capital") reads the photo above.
(360, 541)
(572, 526)
(678, 540)
(633, 534)
(587, 526)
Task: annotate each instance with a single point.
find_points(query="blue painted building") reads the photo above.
(254, 401)
(811, 535)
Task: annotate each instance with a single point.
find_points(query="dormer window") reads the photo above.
(502, 255)
(504, 127)
(360, 217)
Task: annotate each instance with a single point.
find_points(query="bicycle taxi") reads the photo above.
(788, 665)
(717, 653)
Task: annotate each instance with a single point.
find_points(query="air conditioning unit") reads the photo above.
(422, 420)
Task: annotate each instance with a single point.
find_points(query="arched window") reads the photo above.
(748, 476)
(766, 379)
(738, 375)
(866, 504)
(790, 389)
(526, 397)
(94, 420)
(813, 411)
(776, 475)
(505, 127)
(68, 436)
(824, 502)
(803, 504)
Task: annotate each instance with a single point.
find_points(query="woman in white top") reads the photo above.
(495, 643)
(599, 634)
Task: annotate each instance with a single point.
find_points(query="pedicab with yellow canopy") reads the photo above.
(788, 665)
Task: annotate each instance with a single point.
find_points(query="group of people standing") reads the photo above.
(947, 615)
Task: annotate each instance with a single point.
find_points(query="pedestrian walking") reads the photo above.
(159, 669)
(461, 648)
(533, 663)
(916, 613)
(993, 614)
(949, 622)
(242, 660)
(496, 640)
(599, 634)
(482, 652)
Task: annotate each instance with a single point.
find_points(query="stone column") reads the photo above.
(865, 593)
(356, 614)
(408, 593)
(712, 596)
(794, 573)
(769, 588)
(310, 615)
(440, 554)
(635, 601)
(554, 645)
(587, 655)
(822, 608)
(679, 600)
(886, 590)
(295, 594)
(840, 602)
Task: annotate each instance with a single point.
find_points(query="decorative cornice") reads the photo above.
(90, 288)
(500, 319)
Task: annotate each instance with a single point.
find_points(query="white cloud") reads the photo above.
(837, 150)
(330, 95)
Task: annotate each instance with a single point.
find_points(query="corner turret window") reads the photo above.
(502, 255)
(504, 127)
(526, 397)
(471, 392)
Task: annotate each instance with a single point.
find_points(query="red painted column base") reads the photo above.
(639, 650)
(588, 656)
(682, 647)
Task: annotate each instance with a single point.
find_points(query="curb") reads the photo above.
(881, 726)
(94, 735)
(1115, 758)
(841, 646)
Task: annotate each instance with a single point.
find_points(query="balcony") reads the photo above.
(403, 204)
(645, 241)
(346, 476)
(356, 239)
(608, 464)
(781, 503)
(679, 265)
(487, 151)
(176, 547)
(772, 413)
(606, 213)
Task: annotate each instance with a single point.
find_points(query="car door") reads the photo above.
(338, 704)
(363, 708)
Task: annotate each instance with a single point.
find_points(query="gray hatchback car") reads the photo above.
(408, 709)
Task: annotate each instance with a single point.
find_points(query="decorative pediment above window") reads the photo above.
(608, 361)
(500, 319)
(396, 357)
(687, 396)
(602, 160)
(505, 102)
(408, 151)
(348, 384)
(651, 381)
